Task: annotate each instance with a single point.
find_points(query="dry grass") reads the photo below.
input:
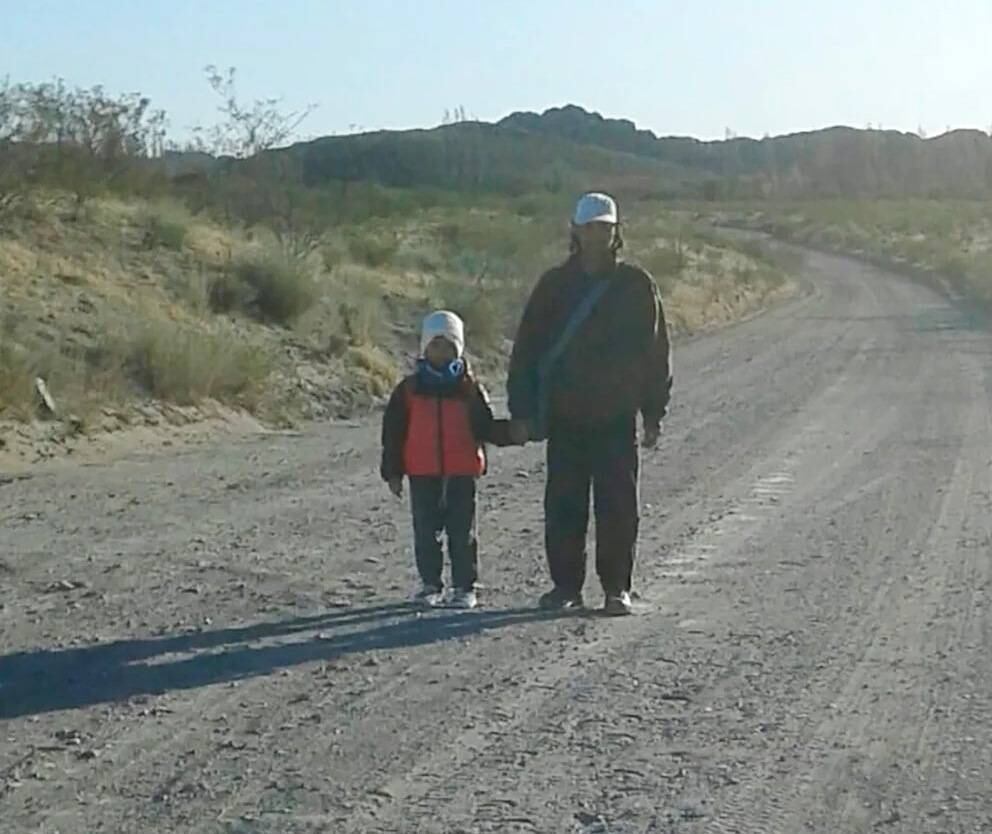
(106, 309)
(167, 227)
(266, 285)
(376, 370)
(185, 366)
(139, 301)
(15, 383)
(704, 282)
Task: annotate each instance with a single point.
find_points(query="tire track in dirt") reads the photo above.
(147, 752)
(142, 744)
(437, 800)
(842, 779)
(449, 773)
(157, 752)
(698, 520)
(733, 427)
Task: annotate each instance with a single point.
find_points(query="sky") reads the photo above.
(677, 67)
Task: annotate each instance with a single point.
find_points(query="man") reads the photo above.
(592, 351)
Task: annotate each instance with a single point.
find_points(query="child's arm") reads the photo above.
(394, 426)
(486, 427)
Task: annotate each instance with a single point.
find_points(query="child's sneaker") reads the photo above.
(462, 598)
(430, 595)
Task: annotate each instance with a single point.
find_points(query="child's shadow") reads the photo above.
(46, 680)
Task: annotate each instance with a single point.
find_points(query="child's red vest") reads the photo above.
(439, 438)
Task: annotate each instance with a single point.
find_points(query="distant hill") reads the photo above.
(569, 149)
(478, 156)
(834, 162)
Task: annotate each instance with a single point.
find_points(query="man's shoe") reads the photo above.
(618, 604)
(430, 595)
(558, 599)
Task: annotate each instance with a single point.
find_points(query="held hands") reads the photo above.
(651, 435)
(519, 432)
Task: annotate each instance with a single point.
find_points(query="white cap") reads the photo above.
(446, 324)
(595, 208)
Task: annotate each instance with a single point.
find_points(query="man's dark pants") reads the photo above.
(606, 459)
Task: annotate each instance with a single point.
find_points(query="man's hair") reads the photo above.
(615, 246)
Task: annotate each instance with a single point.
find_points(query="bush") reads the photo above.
(15, 382)
(373, 251)
(351, 312)
(486, 321)
(165, 226)
(79, 378)
(358, 293)
(376, 370)
(184, 366)
(284, 289)
(228, 293)
(664, 261)
(268, 287)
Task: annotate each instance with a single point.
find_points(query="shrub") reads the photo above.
(165, 226)
(267, 286)
(185, 366)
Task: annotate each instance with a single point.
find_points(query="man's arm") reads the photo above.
(658, 373)
(531, 336)
(394, 428)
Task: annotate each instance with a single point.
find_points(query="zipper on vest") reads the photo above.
(440, 437)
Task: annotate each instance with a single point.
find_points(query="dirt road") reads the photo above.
(215, 642)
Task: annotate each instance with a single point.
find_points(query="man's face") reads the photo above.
(440, 352)
(594, 238)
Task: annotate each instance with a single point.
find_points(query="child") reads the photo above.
(434, 430)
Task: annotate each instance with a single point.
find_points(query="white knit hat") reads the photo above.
(446, 324)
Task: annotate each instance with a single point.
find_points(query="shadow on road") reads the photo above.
(47, 680)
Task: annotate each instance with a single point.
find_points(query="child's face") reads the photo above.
(440, 352)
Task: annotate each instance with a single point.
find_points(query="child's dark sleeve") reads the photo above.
(394, 426)
(485, 426)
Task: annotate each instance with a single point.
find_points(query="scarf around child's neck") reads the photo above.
(442, 379)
